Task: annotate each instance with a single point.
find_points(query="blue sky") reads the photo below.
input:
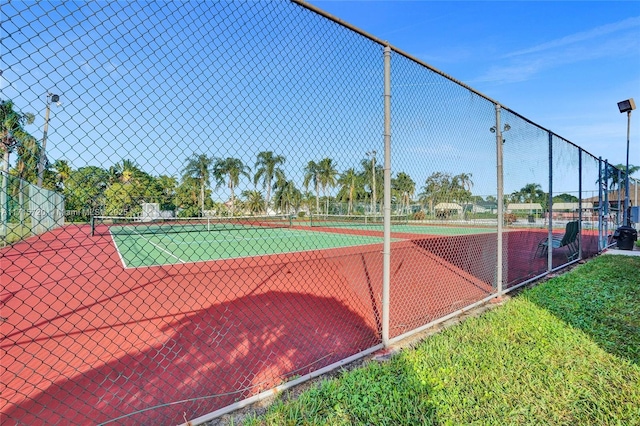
(158, 82)
(562, 64)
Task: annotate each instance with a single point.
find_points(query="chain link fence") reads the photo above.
(229, 198)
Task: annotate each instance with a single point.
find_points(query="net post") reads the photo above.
(93, 225)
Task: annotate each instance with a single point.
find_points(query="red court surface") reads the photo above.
(86, 341)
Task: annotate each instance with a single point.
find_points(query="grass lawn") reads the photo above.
(566, 352)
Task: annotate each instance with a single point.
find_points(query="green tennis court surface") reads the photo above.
(399, 224)
(154, 249)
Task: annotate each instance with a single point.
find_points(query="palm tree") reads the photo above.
(620, 179)
(373, 176)
(327, 174)
(350, 184)
(253, 200)
(231, 169)
(405, 187)
(462, 185)
(199, 167)
(63, 172)
(287, 195)
(12, 135)
(530, 193)
(267, 169)
(311, 174)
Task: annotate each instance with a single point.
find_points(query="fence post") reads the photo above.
(550, 225)
(606, 206)
(600, 207)
(580, 203)
(500, 196)
(386, 251)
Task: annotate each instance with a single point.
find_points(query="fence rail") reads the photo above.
(232, 197)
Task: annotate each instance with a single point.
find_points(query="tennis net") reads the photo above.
(331, 220)
(104, 225)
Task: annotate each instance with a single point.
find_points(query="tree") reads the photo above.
(167, 188)
(253, 201)
(351, 186)
(530, 193)
(14, 136)
(287, 195)
(327, 175)
(62, 171)
(373, 174)
(620, 179)
(12, 132)
(435, 189)
(126, 171)
(404, 187)
(230, 169)
(565, 198)
(266, 170)
(199, 167)
(84, 192)
(311, 174)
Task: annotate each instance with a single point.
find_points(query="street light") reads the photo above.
(372, 154)
(51, 97)
(627, 106)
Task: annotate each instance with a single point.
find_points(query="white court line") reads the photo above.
(118, 250)
(159, 247)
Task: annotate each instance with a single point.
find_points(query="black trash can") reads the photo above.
(626, 236)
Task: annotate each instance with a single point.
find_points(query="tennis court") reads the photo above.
(197, 240)
(188, 240)
(400, 224)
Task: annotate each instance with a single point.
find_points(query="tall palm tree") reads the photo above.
(373, 175)
(13, 135)
(351, 185)
(230, 169)
(311, 174)
(620, 179)
(287, 195)
(199, 167)
(327, 174)
(405, 187)
(12, 132)
(267, 169)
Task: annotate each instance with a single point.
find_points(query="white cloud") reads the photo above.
(582, 36)
(608, 41)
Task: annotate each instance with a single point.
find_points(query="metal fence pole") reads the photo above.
(550, 233)
(600, 207)
(386, 254)
(500, 196)
(580, 203)
(605, 211)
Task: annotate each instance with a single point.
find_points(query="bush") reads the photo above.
(509, 218)
(419, 215)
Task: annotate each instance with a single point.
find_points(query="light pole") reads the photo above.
(627, 106)
(51, 97)
(372, 154)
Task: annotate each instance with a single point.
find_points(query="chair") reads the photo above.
(569, 240)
